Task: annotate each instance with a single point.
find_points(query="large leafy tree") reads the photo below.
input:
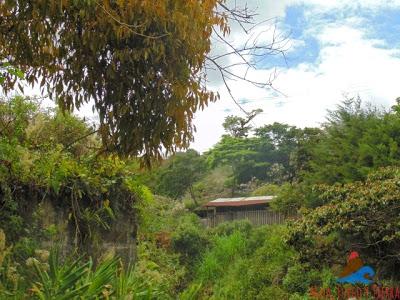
(248, 157)
(179, 174)
(355, 141)
(284, 139)
(139, 61)
(292, 149)
(277, 153)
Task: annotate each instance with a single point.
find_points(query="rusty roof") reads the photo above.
(240, 201)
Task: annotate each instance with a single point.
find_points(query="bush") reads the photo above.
(189, 239)
(3, 249)
(23, 249)
(299, 278)
(357, 217)
(289, 198)
(212, 186)
(246, 264)
(269, 262)
(227, 228)
(159, 269)
(271, 292)
(267, 189)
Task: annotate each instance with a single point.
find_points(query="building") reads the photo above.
(240, 204)
(255, 209)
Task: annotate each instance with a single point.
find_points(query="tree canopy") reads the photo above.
(139, 61)
(179, 174)
(355, 141)
(239, 127)
(362, 216)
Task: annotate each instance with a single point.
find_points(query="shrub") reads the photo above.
(189, 239)
(299, 278)
(24, 248)
(191, 293)
(227, 228)
(289, 198)
(361, 216)
(267, 189)
(257, 271)
(271, 292)
(3, 249)
(159, 269)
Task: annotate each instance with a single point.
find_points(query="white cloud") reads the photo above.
(348, 63)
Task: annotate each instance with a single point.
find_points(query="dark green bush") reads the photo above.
(298, 279)
(189, 239)
(24, 248)
(361, 216)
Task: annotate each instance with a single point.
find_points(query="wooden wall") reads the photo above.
(257, 217)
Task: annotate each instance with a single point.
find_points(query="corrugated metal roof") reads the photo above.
(240, 201)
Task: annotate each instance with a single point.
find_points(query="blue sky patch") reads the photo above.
(306, 47)
(384, 25)
(302, 24)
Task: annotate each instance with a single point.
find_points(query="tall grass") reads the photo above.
(246, 263)
(217, 260)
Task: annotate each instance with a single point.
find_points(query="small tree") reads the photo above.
(179, 174)
(238, 126)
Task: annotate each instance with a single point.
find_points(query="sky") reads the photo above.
(334, 50)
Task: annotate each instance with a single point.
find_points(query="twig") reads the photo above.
(129, 26)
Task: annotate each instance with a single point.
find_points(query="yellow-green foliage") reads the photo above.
(47, 155)
(243, 262)
(3, 249)
(159, 268)
(266, 190)
(143, 71)
(213, 185)
(146, 200)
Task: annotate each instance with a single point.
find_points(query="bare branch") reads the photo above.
(249, 53)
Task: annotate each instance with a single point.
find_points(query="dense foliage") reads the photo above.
(362, 216)
(48, 158)
(343, 178)
(355, 141)
(141, 62)
(51, 277)
(179, 174)
(67, 202)
(277, 153)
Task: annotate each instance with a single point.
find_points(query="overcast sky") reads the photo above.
(336, 49)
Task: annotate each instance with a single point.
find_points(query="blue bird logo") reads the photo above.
(355, 271)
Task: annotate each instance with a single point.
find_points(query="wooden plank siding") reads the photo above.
(257, 217)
